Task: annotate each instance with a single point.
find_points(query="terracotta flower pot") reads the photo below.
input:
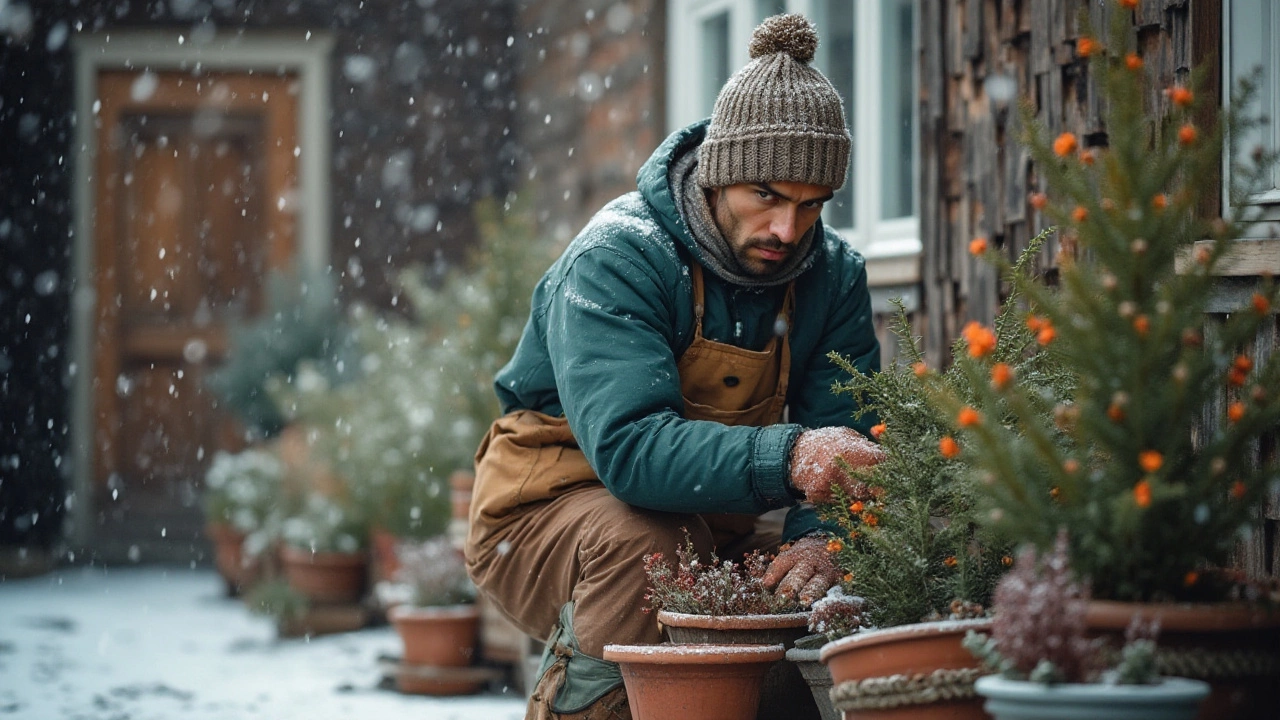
(693, 682)
(907, 672)
(1235, 647)
(1169, 699)
(325, 577)
(238, 570)
(382, 550)
(784, 692)
(439, 645)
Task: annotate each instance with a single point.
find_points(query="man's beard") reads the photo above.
(728, 225)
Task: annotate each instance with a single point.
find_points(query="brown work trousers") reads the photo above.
(587, 546)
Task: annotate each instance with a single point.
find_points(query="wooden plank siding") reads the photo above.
(976, 177)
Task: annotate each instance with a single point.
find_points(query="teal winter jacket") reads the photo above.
(614, 313)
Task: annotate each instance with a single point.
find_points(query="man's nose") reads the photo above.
(783, 225)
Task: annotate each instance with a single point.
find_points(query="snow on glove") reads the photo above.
(813, 466)
(804, 570)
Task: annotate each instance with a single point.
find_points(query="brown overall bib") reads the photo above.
(544, 530)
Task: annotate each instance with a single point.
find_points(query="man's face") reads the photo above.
(764, 222)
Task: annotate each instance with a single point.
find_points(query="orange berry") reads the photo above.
(1115, 413)
(1065, 144)
(1150, 460)
(1181, 96)
(1160, 201)
(877, 430)
(1006, 561)
(1236, 377)
(1261, 304)
(968, 417)
(855, 507)
(869, 518)
(1235, 411)
(1187, 134)
(920, 369)
(1191, 578)
(951, 561)
(1001, 375)
(1080, 214)
(1046, 334)
(1142, 325)
(1086, 46)
(977, 246)
(834, 545)
(1203, 255)
(1133, 62)
(1054, 492)
(1087, 157)
(1242, 363)
(1071, 466)
(1238, 489)
(981, 340)
(1039, 200)
(948, 447)
(1142, 494)
(1128, 4)
(848, 577)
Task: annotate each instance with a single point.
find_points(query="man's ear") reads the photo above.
(713, 197)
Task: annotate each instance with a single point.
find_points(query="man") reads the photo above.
(647, 393)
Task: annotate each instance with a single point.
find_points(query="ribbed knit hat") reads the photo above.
(777, 119)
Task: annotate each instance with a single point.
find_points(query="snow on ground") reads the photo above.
(162, 643)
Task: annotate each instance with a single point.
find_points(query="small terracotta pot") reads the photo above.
(1194, 637)
(325, 577)
(908, 650)
(784, 692)
(437, 636)
(236, 569)
(382, 550)
(693, 682)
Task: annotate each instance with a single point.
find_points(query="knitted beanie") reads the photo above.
(777, 119)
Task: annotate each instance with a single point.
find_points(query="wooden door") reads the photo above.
(194, 182)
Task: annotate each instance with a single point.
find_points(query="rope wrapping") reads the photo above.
(1217, 664)
(883, 693)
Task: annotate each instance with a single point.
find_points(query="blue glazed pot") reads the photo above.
(1170, 699)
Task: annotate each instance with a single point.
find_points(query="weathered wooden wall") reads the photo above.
(976, 177)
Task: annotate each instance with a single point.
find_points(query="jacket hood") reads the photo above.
(654, 183)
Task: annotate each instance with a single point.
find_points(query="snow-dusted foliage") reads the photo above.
(241, 488)
(433, 573)
(718, 587)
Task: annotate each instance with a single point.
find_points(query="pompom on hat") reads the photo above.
(778, 118)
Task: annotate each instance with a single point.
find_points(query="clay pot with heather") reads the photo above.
(693, 681)
(439, 647)
(325, 577)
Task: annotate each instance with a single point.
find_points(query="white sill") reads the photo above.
(893, 262)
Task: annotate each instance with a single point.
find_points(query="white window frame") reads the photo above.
(892, 247)
(1269, 222)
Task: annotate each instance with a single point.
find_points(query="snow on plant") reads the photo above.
(718, 587)
(432, 573)
(325, 525)
(837, 614)
(241, 488)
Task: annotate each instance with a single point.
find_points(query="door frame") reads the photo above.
(306, 53)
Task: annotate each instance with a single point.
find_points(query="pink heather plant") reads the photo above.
(720, 587)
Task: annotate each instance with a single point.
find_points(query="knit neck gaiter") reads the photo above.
(717, 254)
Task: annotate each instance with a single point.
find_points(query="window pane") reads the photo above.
(897, 109)
(769, 8)
(715, 60)
(1251, 49)
(835, 20)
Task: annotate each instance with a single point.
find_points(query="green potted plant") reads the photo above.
(240, 490)
(433, 610)
(1045, 667)
(722, 602)
(1150, 467)
(323, 551)
(909, 540)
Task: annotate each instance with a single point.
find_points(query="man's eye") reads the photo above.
(815, 204)
(763, 194)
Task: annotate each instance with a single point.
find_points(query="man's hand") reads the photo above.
(804, 570)
(813, 466)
